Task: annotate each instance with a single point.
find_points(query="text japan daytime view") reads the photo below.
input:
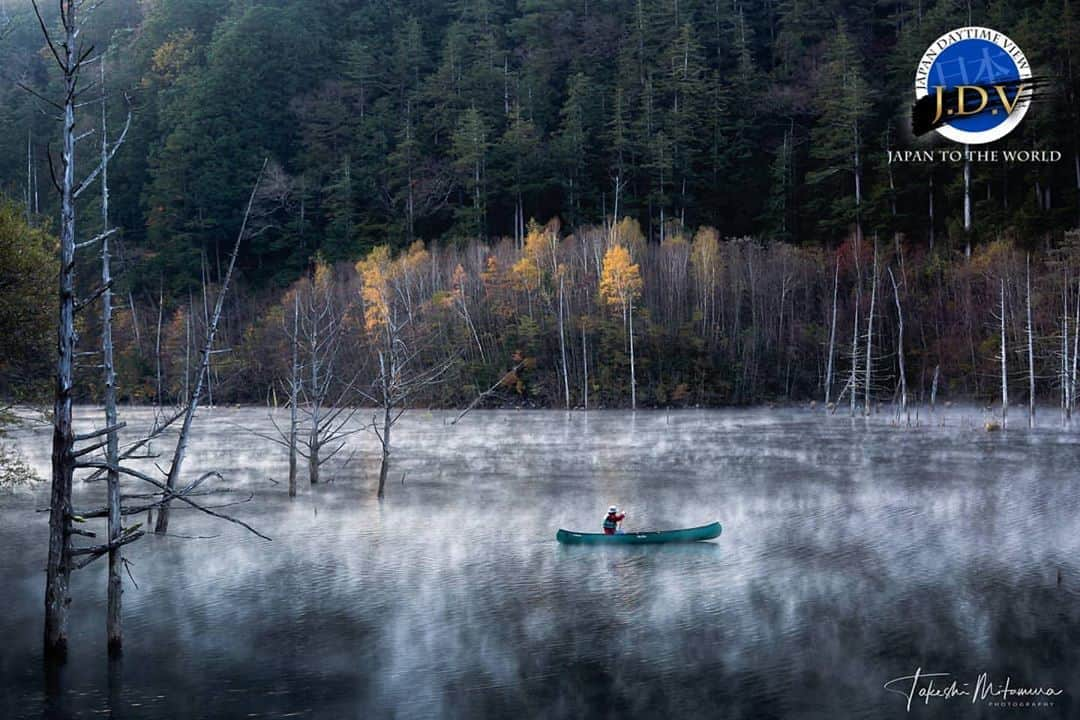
(539, 359)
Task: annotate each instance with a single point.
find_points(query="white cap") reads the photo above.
(613, 509)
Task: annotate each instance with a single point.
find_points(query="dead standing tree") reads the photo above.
(902, 408)
(1030, 348)
(202, 372)
(395, 323)
(1003, 354)
(114, 629)
(325, 397)
(70, 56)
(315, 337)
(162, 493)
(314, 389)
(320, 335)
(63, 557)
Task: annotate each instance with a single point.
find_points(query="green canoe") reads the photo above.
(705, 532)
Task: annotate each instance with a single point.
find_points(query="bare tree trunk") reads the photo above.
(832, 336)
(1004, 364)
(930, 195)
(387, 422)
(870, 332)
(189, 321)
(562, 346)
(1031, 350)
(203, 265)
(585, 367)
(900, 344)
(967, 201)
(29, 176)
(472, 327)
(857, 163)
(134, 318)
(1066, 399)
(633, 376)
(853, 379)
(157, 346)
(294, 394)
(58, 569)
(1076, 351)
(1076, 169)
(482, 396)
(176, 467)
(114, 627)
(615, 210)
(314, 462)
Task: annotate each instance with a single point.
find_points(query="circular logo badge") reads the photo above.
(973, 77)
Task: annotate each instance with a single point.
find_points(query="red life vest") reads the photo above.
(611, 523)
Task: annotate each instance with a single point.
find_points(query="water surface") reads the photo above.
(853, 552)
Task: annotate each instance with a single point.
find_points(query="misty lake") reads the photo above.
(853, 553)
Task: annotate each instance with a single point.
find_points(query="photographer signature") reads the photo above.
(924, 687)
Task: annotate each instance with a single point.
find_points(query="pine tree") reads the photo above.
(517, 150)
(470, 146)
(572, 145)
(836, 140)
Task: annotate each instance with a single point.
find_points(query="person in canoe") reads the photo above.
(611, 522)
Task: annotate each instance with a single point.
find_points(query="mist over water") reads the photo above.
(853, 552)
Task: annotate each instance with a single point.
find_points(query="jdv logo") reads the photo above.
(973, 85)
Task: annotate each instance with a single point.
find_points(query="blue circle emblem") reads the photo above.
(974, 62)
(974, 81)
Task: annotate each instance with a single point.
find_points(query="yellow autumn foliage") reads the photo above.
(375, 274)
(620, 280)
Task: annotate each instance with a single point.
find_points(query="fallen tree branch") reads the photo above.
(129, 453)
(487, 393)
(100, 551)
(170, 495)
(99, 433)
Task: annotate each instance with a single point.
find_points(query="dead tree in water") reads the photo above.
(326, 397)
(70, 57)
(114, 628)
(853, 379)
(900, 346)
(328, 418)
(832, 335)
(852, 384)
(176, 467)
(398, 333)
(1004, 363)
(289, 438)
(1075, 351)
(1031, 350)
(1066, 389)
(294, 395)
(64, 557)
(870, 332)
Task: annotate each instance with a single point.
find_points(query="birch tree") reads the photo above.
(870, 333)
(620, 286)
(900, 345)
(1004, 359)
(832, 335)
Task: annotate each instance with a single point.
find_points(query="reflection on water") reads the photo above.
(852, 553)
